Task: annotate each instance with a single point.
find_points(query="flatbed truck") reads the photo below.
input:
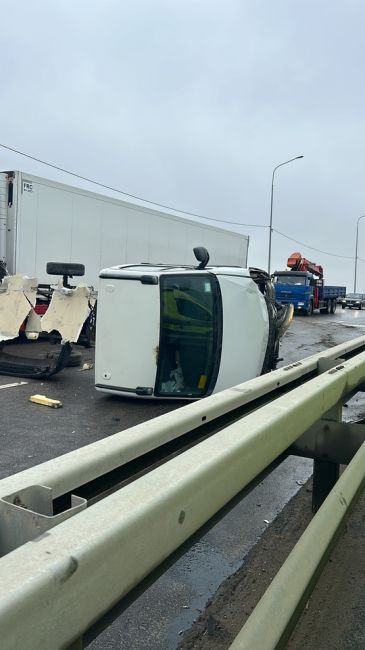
(303, 286)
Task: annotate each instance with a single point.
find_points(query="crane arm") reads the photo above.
(298, 263)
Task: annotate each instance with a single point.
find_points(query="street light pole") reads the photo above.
(271, 205)
(357, 241)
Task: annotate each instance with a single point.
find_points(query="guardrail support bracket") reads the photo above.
(325, 476)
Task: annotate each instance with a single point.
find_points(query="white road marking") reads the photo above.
(18, 383)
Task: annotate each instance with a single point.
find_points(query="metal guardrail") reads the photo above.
(64, 473)
(285, 597)
(54, 587)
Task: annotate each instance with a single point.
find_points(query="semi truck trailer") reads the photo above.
(42, 220)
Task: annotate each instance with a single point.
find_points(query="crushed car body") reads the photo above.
(66, 313)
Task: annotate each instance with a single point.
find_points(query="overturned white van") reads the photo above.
(178, 332)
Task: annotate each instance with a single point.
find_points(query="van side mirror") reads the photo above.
(202, 256)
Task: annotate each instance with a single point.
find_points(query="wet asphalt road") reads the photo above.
(31, 434)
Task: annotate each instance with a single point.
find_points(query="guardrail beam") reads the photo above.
(66, 473)
(58, 585)
(273, 619)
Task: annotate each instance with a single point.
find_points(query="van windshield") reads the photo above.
(189, 335)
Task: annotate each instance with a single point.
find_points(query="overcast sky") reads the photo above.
(193, 103)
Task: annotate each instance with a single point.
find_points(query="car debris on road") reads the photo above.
(67, 312)
(46, 401)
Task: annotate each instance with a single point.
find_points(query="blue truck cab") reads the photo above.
(305, 292)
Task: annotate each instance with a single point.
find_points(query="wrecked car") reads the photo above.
(65, 311)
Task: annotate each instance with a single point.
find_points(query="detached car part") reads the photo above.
(64, 309)
(31, 368)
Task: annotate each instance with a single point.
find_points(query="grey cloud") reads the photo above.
(194, 103)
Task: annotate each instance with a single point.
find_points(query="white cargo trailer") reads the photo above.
(42, 221)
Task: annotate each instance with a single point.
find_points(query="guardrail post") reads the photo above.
(326, 473)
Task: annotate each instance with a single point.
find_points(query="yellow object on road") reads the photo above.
(46, 401)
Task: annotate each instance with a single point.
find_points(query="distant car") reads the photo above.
(354, 301)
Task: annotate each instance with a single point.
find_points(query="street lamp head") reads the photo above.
(297, 158)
